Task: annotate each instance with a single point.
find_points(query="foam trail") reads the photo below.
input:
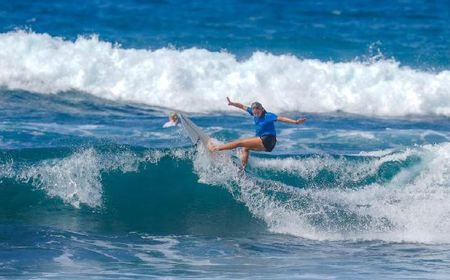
(198, 80)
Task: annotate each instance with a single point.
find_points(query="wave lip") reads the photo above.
(198, 80)
(76, 179)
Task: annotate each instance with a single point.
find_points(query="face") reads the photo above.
(257, 112)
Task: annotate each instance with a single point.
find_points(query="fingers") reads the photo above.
(229, 101)
(211, 146)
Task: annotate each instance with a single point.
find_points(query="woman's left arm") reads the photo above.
(288, 120)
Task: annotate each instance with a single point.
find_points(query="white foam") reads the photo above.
(199, 80)
(65, 259)
(357, 134)
(348, 170)
(76, 179)
(412, 207)
(379, 153)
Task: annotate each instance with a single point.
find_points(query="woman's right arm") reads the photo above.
(236, 104)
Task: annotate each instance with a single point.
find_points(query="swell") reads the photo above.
(397, 197)
(93, 189)
(150, 186)
(394, 196)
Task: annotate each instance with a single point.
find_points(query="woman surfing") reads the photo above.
(266, 136)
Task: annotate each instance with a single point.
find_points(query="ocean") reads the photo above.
(92, 185)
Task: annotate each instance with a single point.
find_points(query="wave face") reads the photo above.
(393, 196)
(198, 80)
(117, 190)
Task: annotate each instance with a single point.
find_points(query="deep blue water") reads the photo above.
(92, 185)
(414, 32)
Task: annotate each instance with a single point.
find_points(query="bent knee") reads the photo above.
(241, 143)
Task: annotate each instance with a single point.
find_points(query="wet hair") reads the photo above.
(173, 116)
(258, 105)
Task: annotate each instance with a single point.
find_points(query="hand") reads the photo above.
(302, 120)
(229, 102)
(211, 146)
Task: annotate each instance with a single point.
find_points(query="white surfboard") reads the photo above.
(194, 132)
(197, 136)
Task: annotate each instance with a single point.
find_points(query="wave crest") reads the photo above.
(198, 80)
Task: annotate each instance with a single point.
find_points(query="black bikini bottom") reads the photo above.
(269, 142)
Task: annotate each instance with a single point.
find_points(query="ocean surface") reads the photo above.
(92, 186)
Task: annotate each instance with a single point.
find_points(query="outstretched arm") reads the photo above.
(288, 120)
(236, 104)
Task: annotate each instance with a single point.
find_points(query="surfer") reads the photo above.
(266, 136)
(173, 120)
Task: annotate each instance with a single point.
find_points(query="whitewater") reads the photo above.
(196, 80)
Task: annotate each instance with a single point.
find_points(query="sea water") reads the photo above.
(92, 186)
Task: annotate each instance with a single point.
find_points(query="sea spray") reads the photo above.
(410, 206)
(76, 179)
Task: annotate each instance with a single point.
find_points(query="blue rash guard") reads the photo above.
(264, 124)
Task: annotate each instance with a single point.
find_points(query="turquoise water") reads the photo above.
(94, 188)
(91, 185)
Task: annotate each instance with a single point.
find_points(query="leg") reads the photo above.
(247, 144)
(244, 156)
(253, 143)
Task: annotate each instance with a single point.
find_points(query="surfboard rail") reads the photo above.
(194, 132)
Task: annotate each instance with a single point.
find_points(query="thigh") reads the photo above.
(253, 143)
